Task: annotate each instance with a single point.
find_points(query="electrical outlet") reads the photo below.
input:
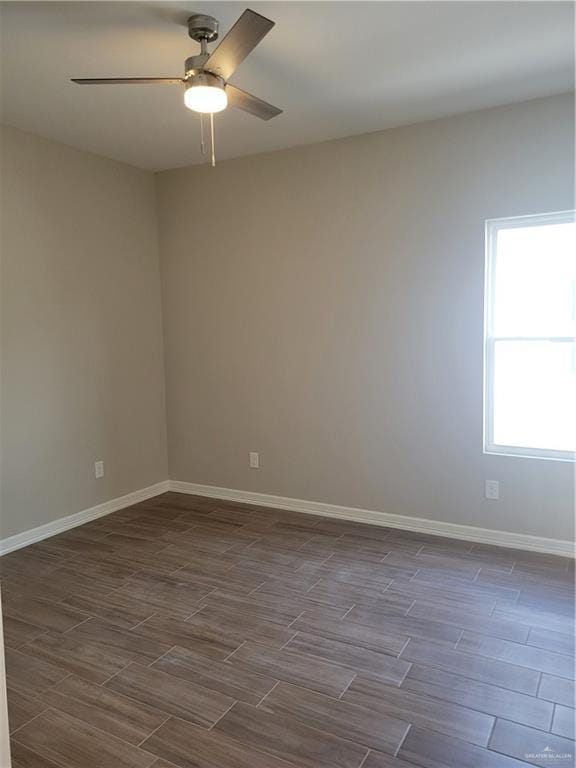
(98, 469)
(492, 490)
(254, 460)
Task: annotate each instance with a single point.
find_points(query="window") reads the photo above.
(530, 336)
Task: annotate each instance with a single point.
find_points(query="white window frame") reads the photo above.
(492, 228)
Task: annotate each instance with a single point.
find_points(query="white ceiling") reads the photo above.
(336, 68)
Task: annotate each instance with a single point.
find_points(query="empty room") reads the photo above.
(287, 384)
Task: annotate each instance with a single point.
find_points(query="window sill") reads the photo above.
(529, 453)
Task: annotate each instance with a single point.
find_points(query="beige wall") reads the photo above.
(323, 305)
(81, 337)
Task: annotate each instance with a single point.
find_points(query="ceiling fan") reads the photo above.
(206, 75)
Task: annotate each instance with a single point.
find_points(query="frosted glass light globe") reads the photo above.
(205, 98)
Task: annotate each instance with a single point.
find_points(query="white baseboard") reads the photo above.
(71, 521)
(421, 525)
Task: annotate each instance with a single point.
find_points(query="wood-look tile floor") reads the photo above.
(197, 633)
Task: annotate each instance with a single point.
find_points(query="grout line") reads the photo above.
(313, 585)
(153, 732)
(538, 686)
(56, 763)
(399, 656)
(348, 685)
(402, 740)
(76, 625)
(143, 621)
(555, 707)
(409, 609)
(26, 643)
(410, 665)
(296, 619)
(401, 651)
(303, 544)
(91, 725)
(256, 589)
(38, 698)
(414, 574)
(366, 756)
(163, 655)
(348, 611)
(201, 599)
(117, 589)
(320, 563)
(103, 683)
(223, 715)
(198, 609)
(276, 684)
(176, 570)
(13, 733)
(491, 731)
(234, 651)
(54, 685)
(288, 641)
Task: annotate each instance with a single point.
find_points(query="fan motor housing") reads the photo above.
(202, 77)
(194, 64)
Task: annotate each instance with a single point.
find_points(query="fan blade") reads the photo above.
(251, 104)
(244, 36)
(127, 80)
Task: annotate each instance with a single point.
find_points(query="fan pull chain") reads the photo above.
(213, 155)
(202, 145)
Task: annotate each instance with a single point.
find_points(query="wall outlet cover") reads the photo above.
(98, 469)
(492, 490)
(254, 460)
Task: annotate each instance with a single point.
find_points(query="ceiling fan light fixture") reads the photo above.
(205, 93)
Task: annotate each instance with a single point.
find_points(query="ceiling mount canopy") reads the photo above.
(203, 28)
